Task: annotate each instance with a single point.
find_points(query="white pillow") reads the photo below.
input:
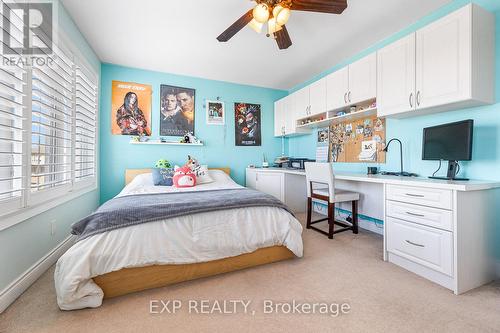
(202, 175)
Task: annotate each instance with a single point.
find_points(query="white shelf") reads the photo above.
(168, 143)
(338, 119)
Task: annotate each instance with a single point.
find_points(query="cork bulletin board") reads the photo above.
(360, 140)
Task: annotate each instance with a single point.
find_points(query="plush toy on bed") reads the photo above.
(201, 171)
(184, 177)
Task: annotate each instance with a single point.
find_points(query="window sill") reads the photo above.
(24, 214)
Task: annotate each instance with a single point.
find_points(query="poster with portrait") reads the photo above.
(176, 110)
(215, 113)
(130, 108)
(247, 124)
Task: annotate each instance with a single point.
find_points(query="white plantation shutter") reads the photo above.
(52, 124)
(48, 122)
(12, 112)
(86, 125)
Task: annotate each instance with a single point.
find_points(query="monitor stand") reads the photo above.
(452, 171)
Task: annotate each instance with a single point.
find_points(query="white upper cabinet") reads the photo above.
(301, 102)
(444, 60)
(290, 117)
(279, 117)
(396, 77)
(363, 80)
(453, 66)
(337, 88)
(317, 97)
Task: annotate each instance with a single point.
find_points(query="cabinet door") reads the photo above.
(271, 183)
(301, 102)
(396, 77)
(317, 97)
(279, 119)
(251, 178)
(443, 72)
(337, 86)
(363, 79)
(290, 119)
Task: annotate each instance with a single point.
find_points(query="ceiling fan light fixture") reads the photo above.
(261, 13)
(273, 26)
(257, 26)
(283, 16)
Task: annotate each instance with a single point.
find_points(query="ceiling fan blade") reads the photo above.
(236, 27)
(283, 38)
(320, 6)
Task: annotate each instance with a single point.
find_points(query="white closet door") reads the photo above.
(337, 88)
(444, 60)
(396, 77)
(363, 79)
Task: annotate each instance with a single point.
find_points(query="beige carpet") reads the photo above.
(382, 297)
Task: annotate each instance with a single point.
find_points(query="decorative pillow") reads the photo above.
(163, 177)
(184, 177)
(202, 175)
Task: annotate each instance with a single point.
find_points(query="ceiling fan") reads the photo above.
(276, 14)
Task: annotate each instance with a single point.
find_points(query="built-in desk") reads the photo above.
(442, 230)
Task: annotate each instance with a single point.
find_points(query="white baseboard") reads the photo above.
(16, 288)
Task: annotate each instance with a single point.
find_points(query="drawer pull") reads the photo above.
(415, 244)
(413, 214)
(415, 195)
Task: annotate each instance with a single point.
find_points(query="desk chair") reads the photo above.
(322, 174)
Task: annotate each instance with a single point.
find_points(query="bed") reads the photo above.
(176, 249)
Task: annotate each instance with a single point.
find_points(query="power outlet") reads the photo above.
(53, 228)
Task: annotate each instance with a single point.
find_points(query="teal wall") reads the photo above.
(485, 162)
(117, 154)
(22, 245)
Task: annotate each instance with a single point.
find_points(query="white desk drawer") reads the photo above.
(421, 196)
(426, 246)
(433, 217)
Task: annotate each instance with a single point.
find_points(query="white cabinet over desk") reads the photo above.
(446, 65)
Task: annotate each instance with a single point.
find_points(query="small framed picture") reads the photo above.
(215, 113)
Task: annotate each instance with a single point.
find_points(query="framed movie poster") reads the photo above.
(130, 108)
(215, 113)
(247, 124)
(176, 110)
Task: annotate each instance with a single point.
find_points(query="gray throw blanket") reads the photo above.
(136, 209)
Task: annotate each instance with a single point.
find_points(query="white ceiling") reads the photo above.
(180, 37)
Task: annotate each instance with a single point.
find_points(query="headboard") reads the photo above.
(131, 173)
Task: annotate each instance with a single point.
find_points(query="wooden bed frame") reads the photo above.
(129, 280)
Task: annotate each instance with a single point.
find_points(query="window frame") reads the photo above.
(31, 204)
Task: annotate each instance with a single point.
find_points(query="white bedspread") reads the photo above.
(187, 239)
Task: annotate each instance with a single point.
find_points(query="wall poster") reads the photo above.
(176, 110)
(247, 124)
(130, 108)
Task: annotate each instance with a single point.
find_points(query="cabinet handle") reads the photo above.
(414, 195)
(345, 98)
(349, 95)
(414, 244)
(418, 98)
(413, 214)
(256, 176)
(411, 100)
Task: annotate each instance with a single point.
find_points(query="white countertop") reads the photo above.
(470, 185)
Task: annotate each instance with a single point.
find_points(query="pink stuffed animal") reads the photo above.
(184, 177)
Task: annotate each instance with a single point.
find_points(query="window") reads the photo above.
(48, 126)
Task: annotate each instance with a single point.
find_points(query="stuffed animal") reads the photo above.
(184, 177)
(193, 164)
(162, 164)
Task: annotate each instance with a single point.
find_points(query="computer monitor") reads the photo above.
(452, 142)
